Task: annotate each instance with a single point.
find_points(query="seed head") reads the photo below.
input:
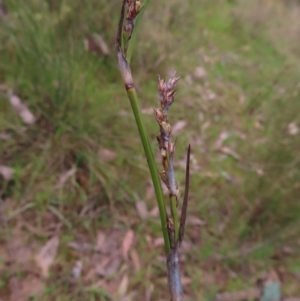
(167, 92)
(134, 6)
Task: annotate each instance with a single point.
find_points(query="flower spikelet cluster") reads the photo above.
(167, 90)
(134, 7)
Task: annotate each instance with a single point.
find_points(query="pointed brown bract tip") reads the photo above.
(159, 115)
(186, 196)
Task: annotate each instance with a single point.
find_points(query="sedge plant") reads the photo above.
(172, 227)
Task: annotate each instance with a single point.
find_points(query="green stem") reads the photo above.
(151, 163)
(173, 206)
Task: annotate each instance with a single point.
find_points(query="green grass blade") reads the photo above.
(133, 39)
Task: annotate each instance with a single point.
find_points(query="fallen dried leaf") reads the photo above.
(186, 280)
(21, 109)
(106, 154)
(149, 292)
(106, 243)
(288, 250)
(100, 242)
(14, 286)
(208, 94)
(219, 142)
(113, 266)
(98, 39)
(154, 212)
(238, 296)
(127, 243)
(199, 73)
(205, 126)
(96, 45)
(19, 250)
(135, 260)
(178, 126)
(228, 151)
(242, 99)
(129, 297)
(293, 129)
(81, 247)
(258, 124)
(25, 289)
(46, 255)
(141, 208)
(149, 191)
(6, 172)
(260, 171)
(35, 230)
(76, 271)
(105, 267)
(5, 136)
(158, 242)
(65, 176)
(147, 111)
(196, 221)
(122, 290)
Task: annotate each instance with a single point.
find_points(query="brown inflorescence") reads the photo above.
(166, 91)
(133, 9)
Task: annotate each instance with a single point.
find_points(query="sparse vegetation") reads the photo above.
(74, 173)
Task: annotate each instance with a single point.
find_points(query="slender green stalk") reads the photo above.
(172, 232)
(152, 165)
(129, 85)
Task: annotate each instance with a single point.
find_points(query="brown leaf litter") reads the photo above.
(17, 255)
(142, 210)
(23, 290)
(46, 255)
(127, 243)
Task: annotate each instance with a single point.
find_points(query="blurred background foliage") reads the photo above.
(79, 169)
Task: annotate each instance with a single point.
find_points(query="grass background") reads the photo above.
(245, 188)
